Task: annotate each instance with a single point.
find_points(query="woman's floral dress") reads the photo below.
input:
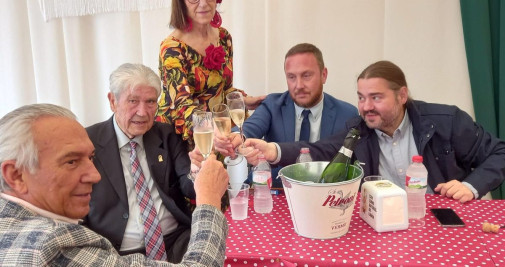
(192, 81)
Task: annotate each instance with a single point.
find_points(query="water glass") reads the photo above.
(372, 178)
(239, 199)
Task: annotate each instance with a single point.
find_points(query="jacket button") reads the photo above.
(428, 136)
(125, 216)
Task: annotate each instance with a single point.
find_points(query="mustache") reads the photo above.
(373, 112)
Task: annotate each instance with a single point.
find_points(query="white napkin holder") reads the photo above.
(237, 171)
(384, 206)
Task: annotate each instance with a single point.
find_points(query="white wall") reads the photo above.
(423, 37)
(67, 61)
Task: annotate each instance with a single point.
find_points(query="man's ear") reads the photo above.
(403, 94)
(112, 101)
(13, 176)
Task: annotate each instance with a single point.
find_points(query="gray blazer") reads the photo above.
(33, 240)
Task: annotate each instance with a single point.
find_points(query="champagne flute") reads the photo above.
(236, 104)
(222, 119)
(203, 134)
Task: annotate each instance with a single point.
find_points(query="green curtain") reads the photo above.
(484, 33)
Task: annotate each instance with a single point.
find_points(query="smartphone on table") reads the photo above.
(447, 217)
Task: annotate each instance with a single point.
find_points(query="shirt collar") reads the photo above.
(38, 210)
(402, 128)
(316, 110)
(122, 139)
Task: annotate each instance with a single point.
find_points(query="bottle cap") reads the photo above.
(304, 150)
(417, 158)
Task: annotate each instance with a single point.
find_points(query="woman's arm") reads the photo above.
(176, 103)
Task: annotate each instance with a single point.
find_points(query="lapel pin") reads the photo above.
(160, 158)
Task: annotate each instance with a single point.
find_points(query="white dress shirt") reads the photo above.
(134, 233)
(396, 153)
(316, 113)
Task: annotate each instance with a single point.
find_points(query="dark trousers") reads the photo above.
(176, 244)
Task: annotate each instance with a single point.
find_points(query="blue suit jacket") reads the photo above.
(274, 120)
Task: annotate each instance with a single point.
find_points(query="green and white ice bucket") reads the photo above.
(319, 210)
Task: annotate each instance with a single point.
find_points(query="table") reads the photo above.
(270, 240)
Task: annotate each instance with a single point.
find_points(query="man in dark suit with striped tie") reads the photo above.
(139, 204)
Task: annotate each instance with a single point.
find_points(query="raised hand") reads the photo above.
(252, 102)
(269, 150)
(211, 182)
(196, 157)
(227, 145)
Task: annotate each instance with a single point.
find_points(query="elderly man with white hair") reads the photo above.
(141, 210)
(47, 175)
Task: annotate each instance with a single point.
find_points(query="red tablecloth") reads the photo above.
(270, 240)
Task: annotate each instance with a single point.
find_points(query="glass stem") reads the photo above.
(242, 136)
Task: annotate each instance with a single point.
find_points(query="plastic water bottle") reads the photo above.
(304, 155)
(262, 181)
(416, 182)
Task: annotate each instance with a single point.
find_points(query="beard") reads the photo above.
(314, 99)
(384, 122)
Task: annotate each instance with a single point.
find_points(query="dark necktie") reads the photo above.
(305, 129)
(155, 247)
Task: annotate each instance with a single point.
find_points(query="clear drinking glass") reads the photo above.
(239, 199)
(236, 105)
(222, 119)
(203, 134)
(372, 178)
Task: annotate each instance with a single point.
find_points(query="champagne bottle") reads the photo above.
(336, 170)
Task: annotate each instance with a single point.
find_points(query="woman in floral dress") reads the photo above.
(196, 65)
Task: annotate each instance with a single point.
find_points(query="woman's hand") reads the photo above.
(252, 102)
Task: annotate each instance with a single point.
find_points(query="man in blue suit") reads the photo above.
(280, 117)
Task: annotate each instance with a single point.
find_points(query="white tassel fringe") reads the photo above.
(66, 8)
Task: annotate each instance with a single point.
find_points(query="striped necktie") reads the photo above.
(155, 247)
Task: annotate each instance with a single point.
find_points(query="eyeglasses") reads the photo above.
(198, 1)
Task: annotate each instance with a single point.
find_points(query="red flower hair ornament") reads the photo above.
(214, 58)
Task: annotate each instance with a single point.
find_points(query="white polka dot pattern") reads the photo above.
(270, 240)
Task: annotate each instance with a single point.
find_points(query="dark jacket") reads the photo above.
(453, 146)
(109, 209)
